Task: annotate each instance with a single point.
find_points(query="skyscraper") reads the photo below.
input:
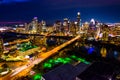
(65, 24)
(78, 21)
(43, 23)
(34, 25)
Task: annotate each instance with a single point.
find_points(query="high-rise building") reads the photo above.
(85, 25)
(32, 27)
(39, 28)
(26, 28)
(58, 25)
(43, 23)
(65, 24)
(72, 27)
(78, 21)
(92, 24)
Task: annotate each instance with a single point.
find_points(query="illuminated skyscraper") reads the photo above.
(34, 25)
(39, 28)
(86, 25)
(58, 25)
(43, 23)
(92, 24)
(92, 21)
(65, 24)
(26, 28)
(78, 21)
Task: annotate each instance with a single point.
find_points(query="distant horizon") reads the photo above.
(53, 21)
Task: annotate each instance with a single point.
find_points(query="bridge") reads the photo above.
(23, 70)
(42, 35)
(46, 35)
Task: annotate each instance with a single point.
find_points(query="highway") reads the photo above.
(23, 70)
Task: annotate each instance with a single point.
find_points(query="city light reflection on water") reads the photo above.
(100, 50)
(115, 54)
(90, 50)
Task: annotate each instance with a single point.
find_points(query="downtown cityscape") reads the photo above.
(67, 48)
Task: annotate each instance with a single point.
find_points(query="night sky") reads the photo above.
(51, 10)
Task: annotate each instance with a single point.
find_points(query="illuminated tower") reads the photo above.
(31, 28)
(86, 25)
(26, 28)
(39, 28)
(1, 46)
(34, 25)
(69, 25)
(65, 24)
(78, 21)
(55, 26)
(92, 24)
(75, 27)
(43, 23)
(58, 25)
(92, 21)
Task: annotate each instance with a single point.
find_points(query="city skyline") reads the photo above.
(64, 39)
(51, 10)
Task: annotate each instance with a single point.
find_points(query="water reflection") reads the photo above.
(115, 54)
(99, 50)
(103, 52)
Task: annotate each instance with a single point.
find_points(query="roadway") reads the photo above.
(23, 70)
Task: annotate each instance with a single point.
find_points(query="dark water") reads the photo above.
(93, 50)
(10, 36)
